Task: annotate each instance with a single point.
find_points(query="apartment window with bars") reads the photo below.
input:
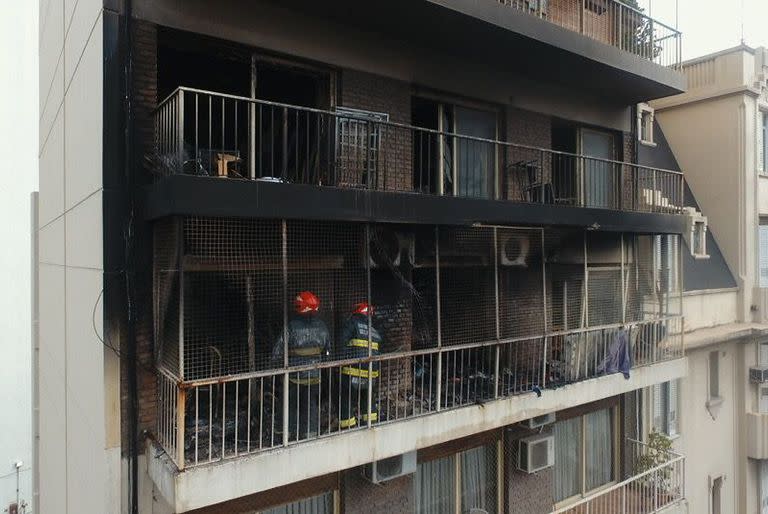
(645, 119)
(358, 145)
(762, 143)
(666, 408)
(320, 504)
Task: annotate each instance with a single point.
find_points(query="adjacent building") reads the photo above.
(335, 257)
(716, 132)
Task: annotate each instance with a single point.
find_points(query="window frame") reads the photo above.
(762, 253)
(645, 113)
(666, 403)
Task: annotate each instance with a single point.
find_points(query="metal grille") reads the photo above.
(460, 312)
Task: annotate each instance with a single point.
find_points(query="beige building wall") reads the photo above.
(79, 415)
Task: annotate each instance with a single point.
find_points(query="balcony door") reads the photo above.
(600, 183)
(456, 155)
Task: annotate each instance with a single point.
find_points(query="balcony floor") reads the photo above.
(207, 196)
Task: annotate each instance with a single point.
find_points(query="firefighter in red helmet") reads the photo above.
(356, 379)
(308, 342)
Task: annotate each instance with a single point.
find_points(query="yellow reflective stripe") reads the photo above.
(357, 372)
(346, 423)
(374, 416)
(305, 351)
(305, 381)
(363, 343)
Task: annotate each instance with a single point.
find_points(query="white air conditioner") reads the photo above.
(536, 453)
(515, 249)
(389, 248)
(758, 374)
(539, 421)
(387, 469)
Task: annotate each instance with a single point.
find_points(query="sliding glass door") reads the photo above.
(600, 176)
(475, 160)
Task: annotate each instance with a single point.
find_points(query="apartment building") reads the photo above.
(341, 257)
(725, 311)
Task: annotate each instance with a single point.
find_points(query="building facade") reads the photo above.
(302, 257)
(720, 398)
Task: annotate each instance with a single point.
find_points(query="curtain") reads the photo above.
(599, 448)
(478, 479)
(322, 504)
(567, 472)
(435, 486)
(476, 160)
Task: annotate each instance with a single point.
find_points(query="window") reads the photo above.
(716, 505)
(585, 452)
(714, 375)
(666, 405)
(762, 144)
(321, 504)
(458, 483)
(763, 487)
(763, 252)
(645, 118)
(699, 238)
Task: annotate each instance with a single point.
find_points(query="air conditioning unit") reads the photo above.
(539, 421)
(387, 469)
(389, 248)
(515, 249)
(535, 453)
(758, 374)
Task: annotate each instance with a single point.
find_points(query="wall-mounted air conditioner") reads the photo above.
(390, 248)
(539, 421)
(536, 453)
(393, 467)
(758, 374)
(515, 249)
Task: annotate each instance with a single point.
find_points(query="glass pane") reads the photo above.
(435, 486)
(599, 448)
(475, 160)
(567, 480)
(478, 479)
(600, 177)
(763, 253)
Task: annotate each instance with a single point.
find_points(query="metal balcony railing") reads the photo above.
(656, 482)
(613, 23)
(216, 135)
(208, 420)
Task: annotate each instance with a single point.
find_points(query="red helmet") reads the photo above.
(363, 308)
(306, 302)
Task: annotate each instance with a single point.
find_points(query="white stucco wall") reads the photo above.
(80, 470)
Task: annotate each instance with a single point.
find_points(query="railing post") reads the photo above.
(655, 490)
(181, 397)
(497, 310)
(541, 176)
(653, 190)
(624, 500)
(180, 131)
(439, 328)
(581, 16)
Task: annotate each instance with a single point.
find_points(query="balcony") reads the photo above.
(468, 316)
(611, 22)
(656, 483)
(371, 163)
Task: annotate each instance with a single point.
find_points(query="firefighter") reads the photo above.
(308, 343)
(355, 379)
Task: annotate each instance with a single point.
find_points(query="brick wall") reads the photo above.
(530, 129)
(359, 496)
(379, 94)
(525, 493)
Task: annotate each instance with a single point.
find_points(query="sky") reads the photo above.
(712, 25)
(707, 26)
(18, 177)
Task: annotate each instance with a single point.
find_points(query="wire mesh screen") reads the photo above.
(467, 285)
(566, 295)
(167, 275)
(604, 278)
(232, 294)
(520, 282)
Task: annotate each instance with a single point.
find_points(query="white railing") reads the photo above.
(657, 483)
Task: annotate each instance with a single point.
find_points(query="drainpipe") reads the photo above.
(128, 234)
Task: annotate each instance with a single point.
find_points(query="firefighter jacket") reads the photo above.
(308, 343)
(354, 345)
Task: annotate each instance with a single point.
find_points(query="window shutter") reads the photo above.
(672, 406)
(763, 257)
(657, 414)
